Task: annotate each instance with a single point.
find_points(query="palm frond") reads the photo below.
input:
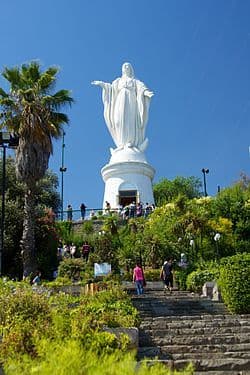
(62, 98)
(45, 82)
(58, 118)
(32, 109)
(7, 102)
(30, 73)
(3, 93)
(58, 100)
(12, 123)
(13, 76)
(52, 71)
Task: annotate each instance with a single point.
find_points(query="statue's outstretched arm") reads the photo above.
(99, 83)
(148, 93)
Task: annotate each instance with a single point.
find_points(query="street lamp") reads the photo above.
(205, 171)
(193, 249)
(217, 239)
(6, 140)
(62, 170)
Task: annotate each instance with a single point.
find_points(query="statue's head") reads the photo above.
(127, 69)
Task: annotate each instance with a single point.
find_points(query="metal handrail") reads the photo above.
(90, 213)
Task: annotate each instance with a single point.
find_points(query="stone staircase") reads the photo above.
(183, 327)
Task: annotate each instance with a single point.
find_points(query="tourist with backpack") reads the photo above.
(167, 275)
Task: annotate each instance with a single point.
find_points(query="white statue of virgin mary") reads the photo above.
(126, 104)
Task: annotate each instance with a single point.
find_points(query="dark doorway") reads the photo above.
(127, 196)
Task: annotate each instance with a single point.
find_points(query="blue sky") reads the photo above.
(194, 55)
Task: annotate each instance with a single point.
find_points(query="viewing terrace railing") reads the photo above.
(76, 215)
(98, 213)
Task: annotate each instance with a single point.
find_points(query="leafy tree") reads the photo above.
(46, 238)
(31, 110)
(166, 190)
(45, 235)
(46, 191)
(105, 246)
(65, 231)
(110, 224)
(233, 202)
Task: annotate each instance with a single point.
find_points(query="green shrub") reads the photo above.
(112, 308)
(152, 274)
(25, 316)
(36, 329)
(180, 276)
(127, 276)
(234, 283)
(196, 279)
(65, 231)
(72, 359)
(87, 227)
(75, 269)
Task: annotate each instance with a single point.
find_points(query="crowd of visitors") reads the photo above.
(126, 212)
(72, 251)
(136, 210)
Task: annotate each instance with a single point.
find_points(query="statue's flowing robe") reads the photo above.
(126, 111)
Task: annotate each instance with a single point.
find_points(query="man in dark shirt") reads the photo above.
(167, 274)
(85, 251)
(83, 211)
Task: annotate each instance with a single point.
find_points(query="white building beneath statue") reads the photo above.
(128, 178)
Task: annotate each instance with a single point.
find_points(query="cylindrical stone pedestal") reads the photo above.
(128, 178)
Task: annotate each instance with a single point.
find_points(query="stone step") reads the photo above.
(234, 364)
(181, 296)
(160, 353)
(146, 314)
(186, 308)
(146, 339)
(208, 367)
(221, 372)
(214, 330)
(195, 325)
(178, 308)
(209, 355)
(160, 293)
(152, 352)
(201, 319)
(207, 348)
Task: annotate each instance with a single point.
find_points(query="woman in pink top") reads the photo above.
(138, 278)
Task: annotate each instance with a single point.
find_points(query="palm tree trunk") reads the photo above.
(28, 238)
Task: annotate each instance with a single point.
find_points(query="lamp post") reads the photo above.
(6, 140)
(205, 171)
(62, 170)
(193, 249)
(217, 239)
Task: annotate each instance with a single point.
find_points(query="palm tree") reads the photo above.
(31, 111)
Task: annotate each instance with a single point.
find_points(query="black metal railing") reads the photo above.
(98, 213)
